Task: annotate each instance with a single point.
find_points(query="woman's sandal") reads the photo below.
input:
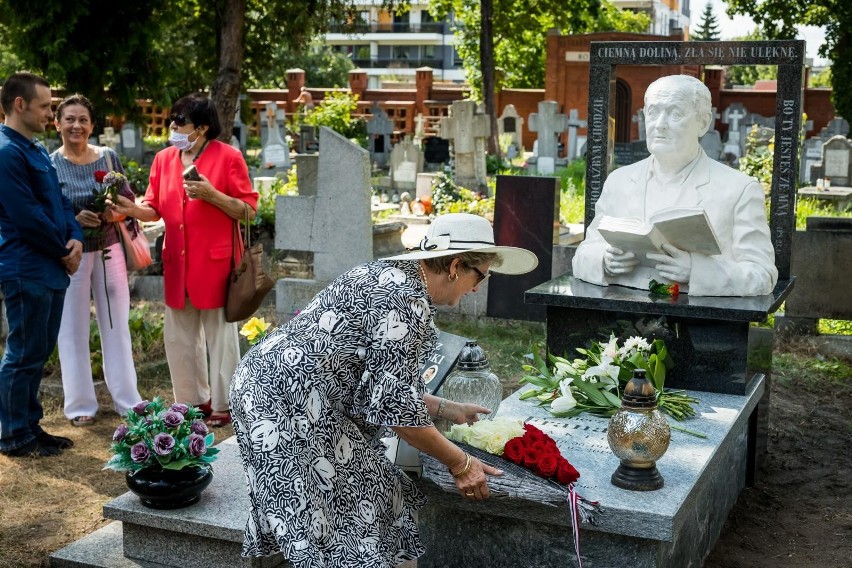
(83, 420)
(217, 420)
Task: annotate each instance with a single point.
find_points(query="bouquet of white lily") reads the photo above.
(594, 383)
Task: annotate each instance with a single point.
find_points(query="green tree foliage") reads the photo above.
(821, 79)
(327, 68)
(520, 34)
(779, 18)
(87, 45)
(335, 112)
(749, 74)
(708, 27)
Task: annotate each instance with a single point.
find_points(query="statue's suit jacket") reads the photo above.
(735, 206)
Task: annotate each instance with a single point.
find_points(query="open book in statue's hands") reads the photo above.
(686, 228)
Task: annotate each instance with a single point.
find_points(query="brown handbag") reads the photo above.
(249, 282)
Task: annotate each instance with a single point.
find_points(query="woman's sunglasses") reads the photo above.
(178, 119)
(480, 277)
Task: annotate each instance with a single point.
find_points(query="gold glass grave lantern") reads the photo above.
(639, 435)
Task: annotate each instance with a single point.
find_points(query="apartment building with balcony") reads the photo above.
(390, 46)
(667, 16)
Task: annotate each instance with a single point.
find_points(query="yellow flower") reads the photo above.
(254, 329)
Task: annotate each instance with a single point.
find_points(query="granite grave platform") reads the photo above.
(677, 525)
(208, 534)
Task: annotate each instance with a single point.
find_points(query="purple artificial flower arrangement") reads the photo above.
(155, 434)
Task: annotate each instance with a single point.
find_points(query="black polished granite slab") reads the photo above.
(707, 337)
(569, 292)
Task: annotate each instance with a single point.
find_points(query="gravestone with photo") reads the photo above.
(379, 131)
(549, 124)
(468, 130)
(132, 145)
(511, 123)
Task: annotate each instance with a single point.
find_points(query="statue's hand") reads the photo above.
(616, 261)
(675, 265)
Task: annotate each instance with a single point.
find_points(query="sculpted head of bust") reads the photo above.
(677, 113)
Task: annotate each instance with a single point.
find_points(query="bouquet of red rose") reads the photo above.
(537, 452)
(528, 447)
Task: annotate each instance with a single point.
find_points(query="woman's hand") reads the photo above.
(112, 216)
(203, 189)
(463, 413)
(88, 218)
(473, 484)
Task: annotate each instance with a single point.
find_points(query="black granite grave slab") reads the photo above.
(436, 150)
(788, 55)
(526, 215)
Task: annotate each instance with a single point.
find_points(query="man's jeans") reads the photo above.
(33, 312)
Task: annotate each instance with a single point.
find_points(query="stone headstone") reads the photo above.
(574, 123)
(425, 183)
(436, 150)
(712, 144)
(406, 162)
(513, 124)
(836, 162)
(109, 138)
(307, 173)
(132, 145)
(545, 166)
(468, 131)
(335, 224)
(838, 127)
(238, 131)
(549, 124)
(379, 130)
(526, 214)
(308, 143)
(419, 129)
(811, 156)
(276, 152)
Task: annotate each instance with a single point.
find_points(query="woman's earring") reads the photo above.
(452, 277)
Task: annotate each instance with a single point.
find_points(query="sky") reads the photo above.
(741, 25)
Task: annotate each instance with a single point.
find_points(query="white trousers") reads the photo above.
(193, 337)
(74, 356)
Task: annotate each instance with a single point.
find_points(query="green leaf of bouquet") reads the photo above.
(539, 362)
(591, 391)
(211, 452)
(180, 464)
(208, 439)
(529, 394)
(539, 381)
(568, 413)
(613, 400)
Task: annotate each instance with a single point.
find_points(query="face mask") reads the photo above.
(181, 141)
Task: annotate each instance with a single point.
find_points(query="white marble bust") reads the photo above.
(679, 174)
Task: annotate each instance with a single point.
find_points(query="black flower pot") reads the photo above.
(168, 488)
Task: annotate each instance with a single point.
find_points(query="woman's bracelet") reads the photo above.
(441, 408)
(465, 469)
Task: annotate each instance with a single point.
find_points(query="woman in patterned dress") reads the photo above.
(311, 400)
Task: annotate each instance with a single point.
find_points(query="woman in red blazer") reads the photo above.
(201, 347)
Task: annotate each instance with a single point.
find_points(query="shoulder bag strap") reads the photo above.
(236, 234)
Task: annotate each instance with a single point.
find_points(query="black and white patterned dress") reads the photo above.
(308, 402)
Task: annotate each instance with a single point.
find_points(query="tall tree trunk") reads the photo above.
(226, 87)
(486, 62)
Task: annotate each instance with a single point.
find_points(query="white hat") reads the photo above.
(456, 233)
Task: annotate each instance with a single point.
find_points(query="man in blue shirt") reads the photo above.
(40, 246)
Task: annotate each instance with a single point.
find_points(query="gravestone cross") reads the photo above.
(109, 138)
(639, 119)
(549, 124)
(513, 124)
(574, 123)
(468, 132)
(379, 129)
(276, 154)
(732, 116)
